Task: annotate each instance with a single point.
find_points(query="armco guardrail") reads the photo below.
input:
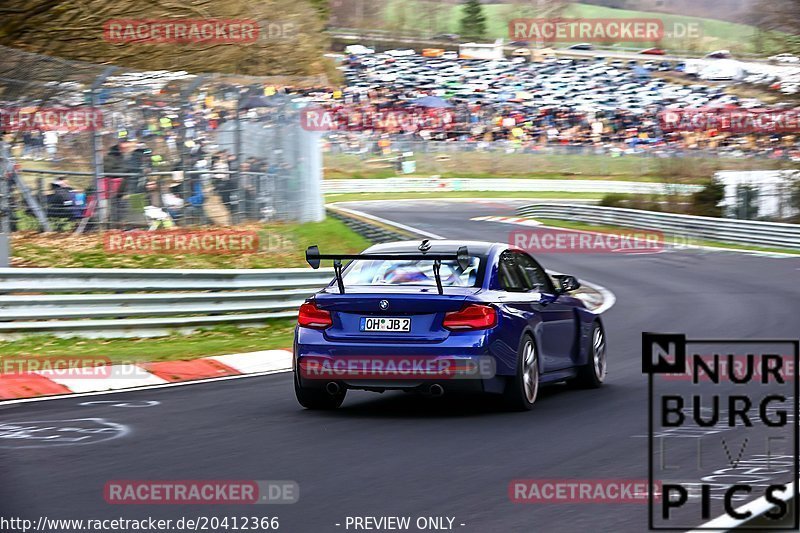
(747, 232)
(78, 280)
(366, 228)
(147, 302)
(501, 185)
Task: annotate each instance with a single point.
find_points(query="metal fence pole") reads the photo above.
(183, 153)
(97, 148)
(236, 194)
(5, 207)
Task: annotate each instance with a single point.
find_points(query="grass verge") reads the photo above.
(359, 196)
(205, 342)
(280, 246)
(499, 164)
(444, 18)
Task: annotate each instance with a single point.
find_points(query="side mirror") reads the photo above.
(566, 283)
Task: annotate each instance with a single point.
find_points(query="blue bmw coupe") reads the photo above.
(440, 316)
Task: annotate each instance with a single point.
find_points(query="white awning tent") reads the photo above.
(722, 69)
(773, 197)
(481, 50)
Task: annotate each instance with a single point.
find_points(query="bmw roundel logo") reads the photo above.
(384, 304)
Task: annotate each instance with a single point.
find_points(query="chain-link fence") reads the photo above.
(96, 147)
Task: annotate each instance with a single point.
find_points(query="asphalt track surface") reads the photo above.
(400, 455)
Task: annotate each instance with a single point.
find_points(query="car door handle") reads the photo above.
(547, 299)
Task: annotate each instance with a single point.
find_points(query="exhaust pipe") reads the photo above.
(436, 390)
(333, 388)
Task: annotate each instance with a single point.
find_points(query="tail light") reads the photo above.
(312, 316)
(473, 316)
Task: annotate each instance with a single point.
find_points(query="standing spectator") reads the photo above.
(112, 185)
(51, 144)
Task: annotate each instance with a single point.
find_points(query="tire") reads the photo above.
(317, 399)
(593, 373)
(521, 390)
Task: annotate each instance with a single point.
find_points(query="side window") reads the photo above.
(535, 278)
(509, 273)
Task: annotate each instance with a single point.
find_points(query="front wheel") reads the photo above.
(521, 390)
(318, 399)
(593, 373)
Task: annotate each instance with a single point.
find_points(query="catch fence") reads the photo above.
(88, 147)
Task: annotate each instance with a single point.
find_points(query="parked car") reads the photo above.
(357, 49)
(432, 52)
(400, 53)
(784, 58)
(718, 54)
(447, 37)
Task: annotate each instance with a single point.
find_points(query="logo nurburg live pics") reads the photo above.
(663, 353)
(725, 438)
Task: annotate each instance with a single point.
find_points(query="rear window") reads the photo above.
(411, 272)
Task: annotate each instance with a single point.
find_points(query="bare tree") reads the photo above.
(778, 23)
(290, 39)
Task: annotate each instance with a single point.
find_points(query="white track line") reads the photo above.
(384, 221)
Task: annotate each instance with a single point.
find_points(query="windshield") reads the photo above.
(411, 272)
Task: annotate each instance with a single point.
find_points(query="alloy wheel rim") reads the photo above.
(599, 353)
(530, 372)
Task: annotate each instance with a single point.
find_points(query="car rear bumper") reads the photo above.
(463, 362)
(493, 385)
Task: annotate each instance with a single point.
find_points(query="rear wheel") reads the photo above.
(593, 373)
(318, 399)
(521, 391)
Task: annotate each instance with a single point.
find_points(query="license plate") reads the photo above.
(384, 323)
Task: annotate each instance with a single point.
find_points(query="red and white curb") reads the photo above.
(50, 384)
(519, 221)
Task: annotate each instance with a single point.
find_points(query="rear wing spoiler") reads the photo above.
(313, 257)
